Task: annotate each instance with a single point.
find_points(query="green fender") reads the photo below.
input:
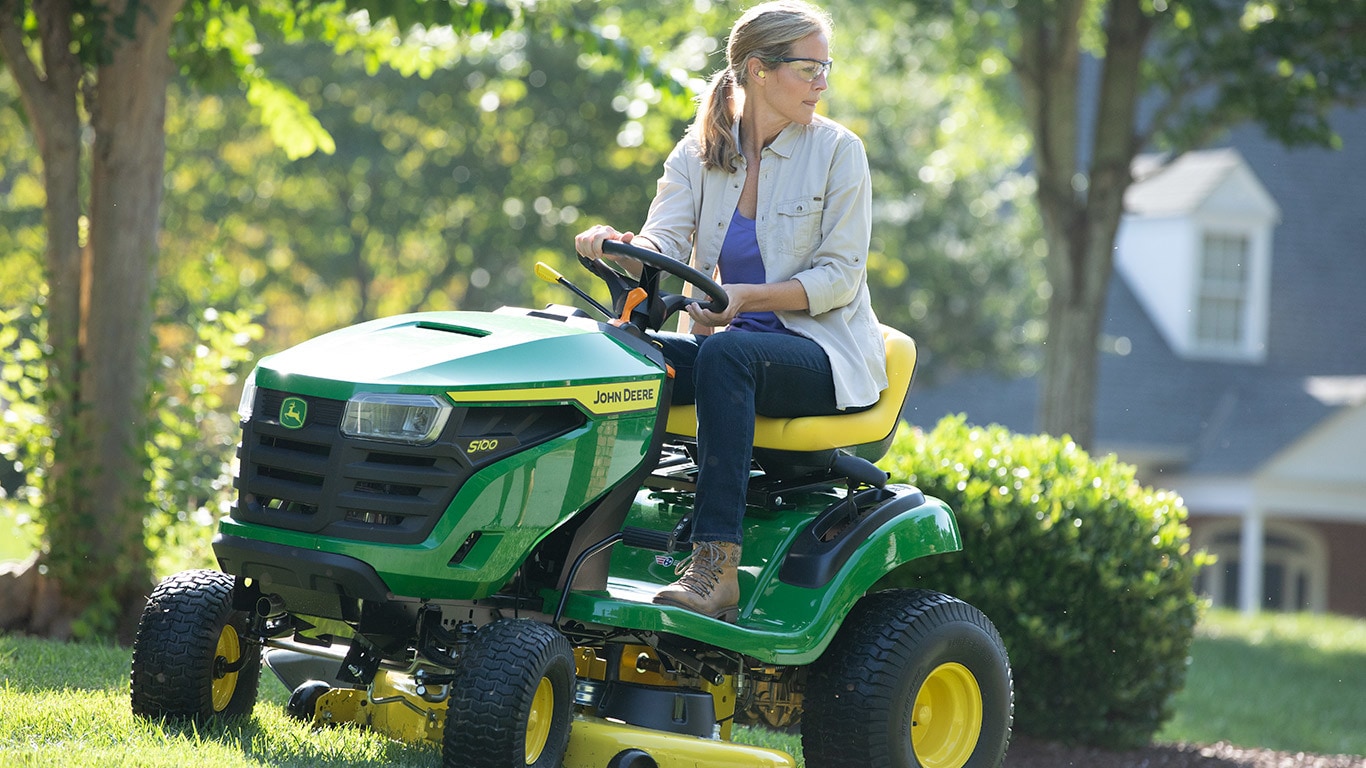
(780, 622)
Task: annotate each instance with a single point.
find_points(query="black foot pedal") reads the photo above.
(677, 540)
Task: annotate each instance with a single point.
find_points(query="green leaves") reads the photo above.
(1284, 65)
(205, 347)
(463, 16)
(217, 45)
(1087, 574)
(291, 123)
(25, 435)
(953, 259)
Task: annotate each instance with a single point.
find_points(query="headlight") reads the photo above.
(248, 401)
(410, 419)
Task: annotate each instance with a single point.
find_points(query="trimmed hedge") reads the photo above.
(1087, 575)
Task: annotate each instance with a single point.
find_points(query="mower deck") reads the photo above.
(394, 708)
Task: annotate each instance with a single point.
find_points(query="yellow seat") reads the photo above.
(864, 433)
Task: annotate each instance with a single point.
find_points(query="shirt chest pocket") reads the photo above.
(799, 224)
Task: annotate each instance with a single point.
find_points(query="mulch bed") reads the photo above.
(1027, 753)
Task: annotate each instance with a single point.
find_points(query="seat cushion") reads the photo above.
(819, 433)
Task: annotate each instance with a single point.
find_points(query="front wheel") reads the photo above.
(192, 658)
(510, 702)
(914, 679)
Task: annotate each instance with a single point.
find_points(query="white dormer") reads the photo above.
(1195, 246)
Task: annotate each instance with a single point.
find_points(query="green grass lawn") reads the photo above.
(1292, 683)
(67, 705)
(1286, 682)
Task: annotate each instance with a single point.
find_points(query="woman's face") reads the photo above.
(784, 88)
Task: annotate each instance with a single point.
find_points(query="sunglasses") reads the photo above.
(806, 69)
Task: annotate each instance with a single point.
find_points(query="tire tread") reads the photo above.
(851, 689)
(498, 672)
(171, 673)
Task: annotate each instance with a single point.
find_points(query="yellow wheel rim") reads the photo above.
(539, 720)
(947, 718)
(229, 650)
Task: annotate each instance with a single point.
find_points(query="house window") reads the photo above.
(1222, 294)
(1294, 567)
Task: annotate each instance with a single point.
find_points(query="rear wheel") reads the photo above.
(914, 679)
(191, 656)
(510, 702)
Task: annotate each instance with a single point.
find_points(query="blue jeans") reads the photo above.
(731, 376)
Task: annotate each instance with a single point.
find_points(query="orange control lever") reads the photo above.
(633, 300)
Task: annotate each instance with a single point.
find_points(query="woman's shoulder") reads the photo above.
(690, 145)
(823, 128)
(686, 156)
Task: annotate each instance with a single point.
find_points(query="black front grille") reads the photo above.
(316, 479)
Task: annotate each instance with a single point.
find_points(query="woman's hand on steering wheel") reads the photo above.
(704, 316)
(646, 265)
(589, 244)
(653, 262)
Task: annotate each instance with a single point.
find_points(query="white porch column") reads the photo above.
(1250, 562)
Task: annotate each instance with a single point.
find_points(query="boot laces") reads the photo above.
(701, 569)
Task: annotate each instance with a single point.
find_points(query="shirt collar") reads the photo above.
(786, 141)
(783, 145)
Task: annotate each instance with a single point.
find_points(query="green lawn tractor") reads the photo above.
(450, 525)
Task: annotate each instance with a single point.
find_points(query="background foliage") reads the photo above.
(957, 256)
(440, 191)
(1088, 576)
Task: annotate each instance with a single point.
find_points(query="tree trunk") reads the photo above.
(50, 95)
(1067, 396)
(1080, 214)
(99, 305)
(128, 115)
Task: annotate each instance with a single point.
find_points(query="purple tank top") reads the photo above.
(740, 262)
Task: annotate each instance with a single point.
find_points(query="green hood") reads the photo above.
(446, 351)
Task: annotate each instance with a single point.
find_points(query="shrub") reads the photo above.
(1087, 575)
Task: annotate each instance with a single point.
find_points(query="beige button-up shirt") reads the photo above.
(813, 222)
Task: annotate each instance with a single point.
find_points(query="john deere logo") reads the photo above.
(293, 411)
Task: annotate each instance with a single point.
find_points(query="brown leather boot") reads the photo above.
(708, 585)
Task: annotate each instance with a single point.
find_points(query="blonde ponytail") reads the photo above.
(715, 122)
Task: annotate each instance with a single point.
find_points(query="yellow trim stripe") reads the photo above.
(593, 398)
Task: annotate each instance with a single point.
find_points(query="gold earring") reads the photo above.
(761, 74)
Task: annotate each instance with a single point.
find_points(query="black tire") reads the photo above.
(188, 634)
(510, 702)
(900, 658)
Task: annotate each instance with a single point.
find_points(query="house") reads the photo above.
(1233, 363)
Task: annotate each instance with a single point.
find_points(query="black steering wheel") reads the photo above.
(657, 306)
